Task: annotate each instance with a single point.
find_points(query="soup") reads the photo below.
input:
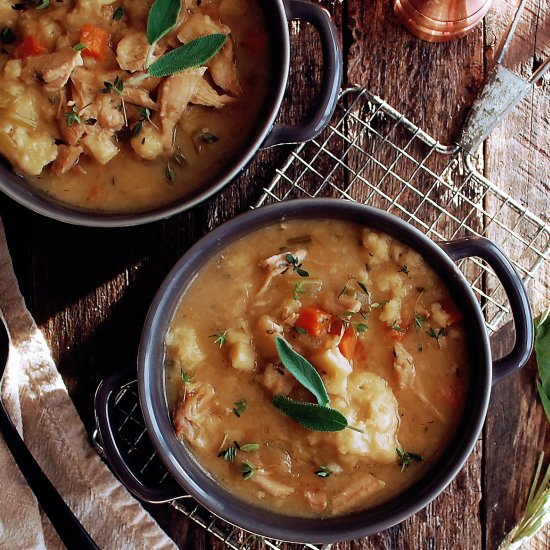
(81, 119)
(368, 315)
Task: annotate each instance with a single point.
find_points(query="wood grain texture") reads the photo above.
(89, 289)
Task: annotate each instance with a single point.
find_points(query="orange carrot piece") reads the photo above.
(347, 343)
(30, 47)
(313, 320)
(96, 41)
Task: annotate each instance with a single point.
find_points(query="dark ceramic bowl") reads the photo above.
(277, 13)
(194, 481)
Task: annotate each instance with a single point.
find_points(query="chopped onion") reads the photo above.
(23, 120)
(6, 99)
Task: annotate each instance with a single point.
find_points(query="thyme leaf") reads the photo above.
(298, 290)
(323, 471)
(437, 334)
(240, 407)
(406, 458)
(220, 338)
(296, 265)
(247, 469)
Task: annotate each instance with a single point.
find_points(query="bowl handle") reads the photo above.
(332, 76)
(110, 443)
(515, 291)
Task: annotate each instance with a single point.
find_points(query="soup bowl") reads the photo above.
(483, 372)
(265, 134)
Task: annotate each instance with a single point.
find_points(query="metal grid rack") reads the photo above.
(373, 154)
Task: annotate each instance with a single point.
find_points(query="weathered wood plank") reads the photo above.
(518, 161)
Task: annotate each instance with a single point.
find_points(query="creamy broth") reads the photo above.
(143, 163)
(375, 321)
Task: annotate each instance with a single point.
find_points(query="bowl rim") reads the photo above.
(20, 190)
(180, 462)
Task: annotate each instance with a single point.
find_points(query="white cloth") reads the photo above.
(41, 409)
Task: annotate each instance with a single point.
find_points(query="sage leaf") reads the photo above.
(545, 401)
(302, 370)
(163, 17)
(542, 350)
(194, 54)
(311, 416)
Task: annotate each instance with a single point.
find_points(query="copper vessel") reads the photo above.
(440, 20)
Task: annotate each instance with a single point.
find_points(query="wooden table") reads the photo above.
(89, 289)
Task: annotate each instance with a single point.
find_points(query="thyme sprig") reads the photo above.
(407, 458)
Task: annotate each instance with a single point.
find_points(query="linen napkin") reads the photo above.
(41, 409)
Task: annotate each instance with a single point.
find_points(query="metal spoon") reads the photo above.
(66, 524)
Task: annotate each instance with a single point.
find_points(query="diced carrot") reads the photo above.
(335, 326)
(30, 47)
(313, 319)
(451, 309)
(347, 343)
(96, 41)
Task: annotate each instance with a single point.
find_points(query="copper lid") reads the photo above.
(440, 20)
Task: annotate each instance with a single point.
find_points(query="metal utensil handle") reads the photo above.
(69, 529)
(104, 398)
(332, 76)
(515, 291)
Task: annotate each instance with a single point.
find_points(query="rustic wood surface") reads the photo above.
(89, 289)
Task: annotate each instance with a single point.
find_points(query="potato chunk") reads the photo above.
(241, 352)
(334, 369)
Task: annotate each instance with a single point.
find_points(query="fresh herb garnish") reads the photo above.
(536, 514)
(169, 174)
(7, 36)
(250, 447)
(43, 5)
(403, 269)
(220, 338)
(162, 18)
(296, 265)
(136, 130)
(206, 136)
(437, 334)
(542, 352)
(298, 290)
(347, 290)
(230, 453)
(302, 370)
(361, 327)
(185, 377)
(313, 416)
(72, 116)
(323, 471)
(240, 407)
(247, 469)
(196, 53)
(406, 458)
(418, 321)
(117, 86)
(118, 14)
(300, 330)
(79, 47)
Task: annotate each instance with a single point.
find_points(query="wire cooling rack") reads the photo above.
(372, 154)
